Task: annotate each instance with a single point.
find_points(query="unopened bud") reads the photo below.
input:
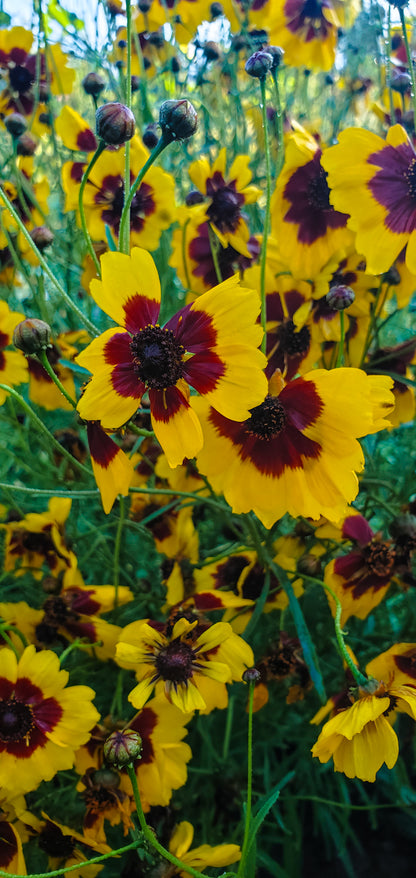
(194, 197)
(32, 335)
(114, 123)
(251, 675)
(144, 5)
(259, 64)
(216, 10)
(340, 297)
(26, 144)
(401, 83)
(150, 138)
(93, 84)
(277, 54)
(42, 237)
(122, 748)
(178, 120)
(16, 124)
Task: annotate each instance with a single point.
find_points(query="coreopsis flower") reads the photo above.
(42, 721)
(152, 209)
(305, 224)
(181, 659)
(360, 738)
(193, 258)
(307, 30)
(379, 195)
(13, 366)
(283, 662)
(184, 16)
(224, 197)
(210, 345)
(75, 611)
(38, 540)
(396, 359)
(202, 856)
(298, 450)
(160, 769)
(30, 78)
(65, 847)
(361, 578)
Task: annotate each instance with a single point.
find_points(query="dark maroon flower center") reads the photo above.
(56, 611)
(254, 583)
(268, 419)
(21, 79)
(55, 843)
(379, 558)
(16, 721)
(224, 210)
(175, 662)
(157, 357)
(318, 192)
(292, 340)
(410, 176)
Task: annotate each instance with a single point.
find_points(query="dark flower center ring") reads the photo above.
(16, 720)
(175, 662)
(157, 357)
(268, 419)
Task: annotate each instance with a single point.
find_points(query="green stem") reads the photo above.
(77, 866)
(41, 427)
(117, 547)
(360, 678)
(213, 243)
(41, 356)
(150, 836)
(263, 254)
(387, 65)
(68, 301)
(340, 356)
(125, 243)
(279, 119)
(100, 148)
(409, 61)
(242, 863)
(160, 146)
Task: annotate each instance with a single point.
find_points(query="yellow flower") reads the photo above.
(202, 856)
(360, 738)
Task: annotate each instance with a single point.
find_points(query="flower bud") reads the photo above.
(277, 54)
(114, 123)
(178, 120)
(401, 83)
(26, 144)
(122, 748)
(93, 84)
(32, 335)
(340, 297)
(251, 675)
(144, 5)
(259, 64)
(149, 137)
(194, 197)
(16, 124)
(216, 10)
(42, 237)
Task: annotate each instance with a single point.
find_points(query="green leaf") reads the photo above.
(264, 805)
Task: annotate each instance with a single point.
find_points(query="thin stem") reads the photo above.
(340, 356)
(150, 836)
(213, 243)
(125, 243)
(125, 216)
(409, 61)
(41, 356)
(41, 426)
(242, 863)
(68, 301)
(263, 254)
(100, 148)
(77, 866)
(360, 678)
(279, 119)
(117, 547)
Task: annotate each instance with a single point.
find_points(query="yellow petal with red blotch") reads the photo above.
(74, 131)
(113, 478)
(244, 384)
(125, 280)
(100, 401)
(180, 435)
(14, 370)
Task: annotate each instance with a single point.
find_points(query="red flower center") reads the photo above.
(158, 357)
(16, 720)
(268, 419)
(175, 662)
